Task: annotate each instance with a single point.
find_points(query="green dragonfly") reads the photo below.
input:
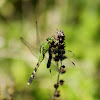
(44, 48)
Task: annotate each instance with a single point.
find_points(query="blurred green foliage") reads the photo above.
(80, 21)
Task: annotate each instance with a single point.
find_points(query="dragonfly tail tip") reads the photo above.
(28, 83)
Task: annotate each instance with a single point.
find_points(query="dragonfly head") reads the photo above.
(50, 40)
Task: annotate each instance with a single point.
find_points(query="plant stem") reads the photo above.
(53, 98)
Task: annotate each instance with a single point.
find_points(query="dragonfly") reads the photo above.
(44, 48)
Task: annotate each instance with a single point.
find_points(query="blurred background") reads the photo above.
(79, 19)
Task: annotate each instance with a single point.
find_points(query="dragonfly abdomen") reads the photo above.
(33, 74)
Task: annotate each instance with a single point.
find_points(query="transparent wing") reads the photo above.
(30, 47)
(53, 66)
(69, 54)
(37, 34)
